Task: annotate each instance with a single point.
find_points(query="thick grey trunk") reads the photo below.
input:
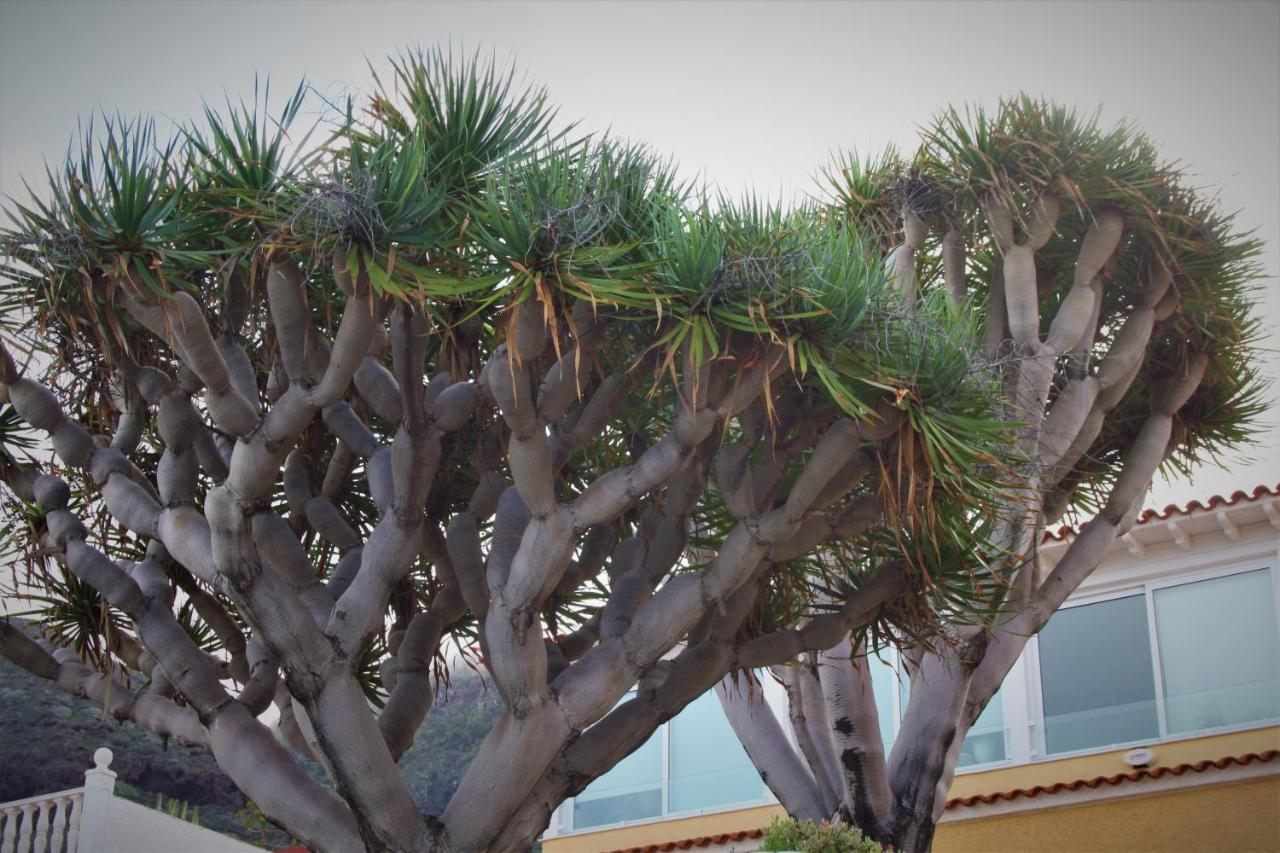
(925, 739)
(813, 732)
(855, 727)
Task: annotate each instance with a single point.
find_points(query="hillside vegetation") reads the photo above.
(49, 737)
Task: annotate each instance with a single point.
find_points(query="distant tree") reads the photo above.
(448, 740)
(451, 381)
(1117, 314)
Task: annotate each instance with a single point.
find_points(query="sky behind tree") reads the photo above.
(748, 96)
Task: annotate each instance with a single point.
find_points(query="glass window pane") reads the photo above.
(709, 767)
(985, 741)
(1096, 676)
(1219, 652)
(632, 790)
(636, 805)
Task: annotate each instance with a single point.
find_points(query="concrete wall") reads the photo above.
(132, 828)
(621, 838)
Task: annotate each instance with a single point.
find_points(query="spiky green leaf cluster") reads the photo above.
(1027, 146)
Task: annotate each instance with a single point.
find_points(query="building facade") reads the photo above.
(1146, 716)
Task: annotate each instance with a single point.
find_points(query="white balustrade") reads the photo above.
(93, 820)
(37, 824)
(51, 823)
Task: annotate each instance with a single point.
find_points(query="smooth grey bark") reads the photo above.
(855, 728)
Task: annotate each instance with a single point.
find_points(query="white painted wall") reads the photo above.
(133, 828)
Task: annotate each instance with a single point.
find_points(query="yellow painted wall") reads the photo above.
(1247, 813)
(667, 830)
(1237, 818)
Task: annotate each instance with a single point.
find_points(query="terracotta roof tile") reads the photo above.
(1016, 793)
(691, 843)
(1259, 492)
(1117, 779)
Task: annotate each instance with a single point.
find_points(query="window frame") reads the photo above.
(1041, 747)
(1146, 586)
(1240, 568)
(567, 809)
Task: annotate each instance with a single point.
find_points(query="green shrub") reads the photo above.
(180, 809)
(808, 837)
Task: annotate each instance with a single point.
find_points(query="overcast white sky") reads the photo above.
(749, 94)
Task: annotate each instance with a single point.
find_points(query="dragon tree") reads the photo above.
(1115, 308)
(319, 412)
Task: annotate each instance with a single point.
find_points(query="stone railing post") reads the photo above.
(24, 831)
(95, 810)
(58, 831)
(41, 842)
(10, 837)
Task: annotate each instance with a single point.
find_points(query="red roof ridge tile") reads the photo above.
(1117, 778)
(1061, 532)
(690, 843)
(1016, 793)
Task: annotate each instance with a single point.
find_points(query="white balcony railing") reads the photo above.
(93, 820)
(51, 823)
(46, 824)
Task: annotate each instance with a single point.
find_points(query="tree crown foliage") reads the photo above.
(452, 190)
(1028, 146)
